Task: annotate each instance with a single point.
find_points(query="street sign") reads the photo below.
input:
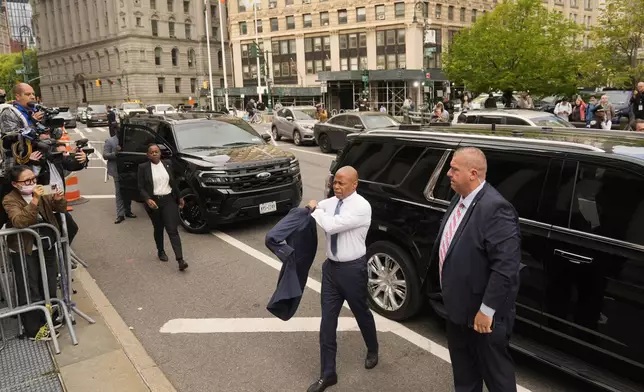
(428, 75)
(365, 78)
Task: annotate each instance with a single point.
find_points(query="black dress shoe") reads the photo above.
(323, 383)
(371, 361)
(119, 220)
(130, 215)
(163, 256)
(182, 265)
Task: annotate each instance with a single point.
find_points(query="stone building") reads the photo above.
(107, 51)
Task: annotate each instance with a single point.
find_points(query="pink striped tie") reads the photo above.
(447, 238)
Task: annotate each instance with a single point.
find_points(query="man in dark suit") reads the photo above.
(111, 120)
(123, 202)
(159, 189)
(479, 253)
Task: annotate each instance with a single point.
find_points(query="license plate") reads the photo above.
(265, 208)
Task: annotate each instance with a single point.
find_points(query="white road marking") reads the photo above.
(254, 325)
(312, 152)
(99, 196)
(89, 130)
(396, 328)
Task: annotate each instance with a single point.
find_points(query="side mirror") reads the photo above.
(266, 137)
(358, 126)
(289, 118)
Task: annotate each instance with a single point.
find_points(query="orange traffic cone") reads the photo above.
(72, 192)
(65, 139)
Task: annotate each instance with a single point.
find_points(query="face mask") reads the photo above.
(27, 189)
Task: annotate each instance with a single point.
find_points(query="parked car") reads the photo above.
(227, 172)
(162, 109)
(81, 114)
(479, 101)
(511, 117)
(70, 120)
(128, 109)
(581, 300)
(331, 135)
(96, 115)
(296, 123)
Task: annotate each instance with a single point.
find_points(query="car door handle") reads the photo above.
(573, 258)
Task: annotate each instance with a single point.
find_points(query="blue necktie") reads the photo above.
(334, 237)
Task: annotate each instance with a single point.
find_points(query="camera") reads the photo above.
(82, 145)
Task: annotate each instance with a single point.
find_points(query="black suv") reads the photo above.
(226, 170)
(580, 197)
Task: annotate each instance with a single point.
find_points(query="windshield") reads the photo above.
(552, 122)
(132, 106)
(64, 115)
(98, 108)
(165, 108)
(379, 121)
(215, 134)
(304, 114)
(617, 97)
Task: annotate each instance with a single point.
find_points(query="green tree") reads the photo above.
(618, 36)
(520, 46)
(10, 66)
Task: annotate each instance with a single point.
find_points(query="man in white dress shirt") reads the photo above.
(345, 218)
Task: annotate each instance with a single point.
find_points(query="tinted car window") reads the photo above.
(418, 177)
(136, 140)
(382, 163)
(214, 134)
(97, 108)
(353, 121)
(515, 121)
(471, 119)
(379, 121)
(519, 178)
(490, 120)
(282, 113)
(337, 120)
(606, 201)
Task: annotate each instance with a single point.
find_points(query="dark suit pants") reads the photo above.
(344, 281)
(32, 321)
(166, 216)
(481, 357)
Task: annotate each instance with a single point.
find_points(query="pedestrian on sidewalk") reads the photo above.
(111, 121)
(123, 202)
(27, 205)
(345, 218)
(159, 190)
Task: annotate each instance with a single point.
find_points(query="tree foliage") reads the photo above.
(11, 63)
(618, 36)
(519, 46)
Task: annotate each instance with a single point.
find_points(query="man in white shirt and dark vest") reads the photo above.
(345, 218)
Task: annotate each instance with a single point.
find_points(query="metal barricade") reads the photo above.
(10, 278)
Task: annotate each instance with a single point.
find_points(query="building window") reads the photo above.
(193, 85)
(258, 26)
(390, 49)
(473, 15)
(342, 16)
(326, 42)
(288, 2)
(155, 27)
(213, 12)
(324, 18)
(171, 29)
(290, 22)
(153, 4)
(243, 30)
(170, 5)
(450, 12)
(361, 14)
(309, 67)
(380, 12)
(138, 22)
(214, 32)
(161, 83)
(142, 55)
(175, 57)
(241, 6)
(186, 6)
(188, 31)
(191, 58)
(157, 56)
(307, 20)
(272, 3)
(463, 14)
(439, 11)
(274, 24)
(573, 3)
(399, 9)
(177, 85)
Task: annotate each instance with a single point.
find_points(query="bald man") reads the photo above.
(478, 253)
(345, 218)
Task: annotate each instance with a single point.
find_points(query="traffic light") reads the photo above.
(205, 84)
(98, 83)
(253, 50)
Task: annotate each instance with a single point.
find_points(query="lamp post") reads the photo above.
(24, 30)
(423, 8)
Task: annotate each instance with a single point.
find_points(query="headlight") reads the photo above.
(294, 167)
(213, 178)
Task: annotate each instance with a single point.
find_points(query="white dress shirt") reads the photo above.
(160, 179)
(351, 224)
(467, 202)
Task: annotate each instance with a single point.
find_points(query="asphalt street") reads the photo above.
(231, 276)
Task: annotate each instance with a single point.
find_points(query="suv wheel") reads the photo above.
(394, 287)
(191, 215)
(325, 144)
(297, 138)
(276, 135)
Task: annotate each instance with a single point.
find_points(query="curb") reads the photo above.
(152, 376)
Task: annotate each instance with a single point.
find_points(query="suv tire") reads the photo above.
(191, 203)
(412, 301)
(276, 135)
(324, 143)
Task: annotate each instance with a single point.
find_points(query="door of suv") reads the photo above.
(134, 141)
(595, 270)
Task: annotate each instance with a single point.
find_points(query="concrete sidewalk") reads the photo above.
(108, 357)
